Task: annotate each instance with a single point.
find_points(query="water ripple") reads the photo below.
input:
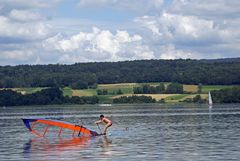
(139, 132)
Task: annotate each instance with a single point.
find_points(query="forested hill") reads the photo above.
(81, 75)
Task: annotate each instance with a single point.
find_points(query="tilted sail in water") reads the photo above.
(31, 123)
(210, 102)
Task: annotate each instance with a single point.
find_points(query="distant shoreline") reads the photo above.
(126, 95)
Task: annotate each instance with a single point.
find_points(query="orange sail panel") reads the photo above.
(30, 123)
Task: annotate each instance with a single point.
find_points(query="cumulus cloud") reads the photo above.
(100, 45)
(24, 15)
(169, 52)
(134, 5)
(163, 29)
(23, 56)
(24, 4)
(23, 31)
(22, 28)
(16, 54)
(185, 29)
(206, 9)
(191, 33)
(121, 3)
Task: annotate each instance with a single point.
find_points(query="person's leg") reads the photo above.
(106, 127)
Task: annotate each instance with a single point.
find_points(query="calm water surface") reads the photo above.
(139, 132)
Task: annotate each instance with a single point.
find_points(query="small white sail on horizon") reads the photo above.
(210, 102)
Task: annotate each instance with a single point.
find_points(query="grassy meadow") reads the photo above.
(127, 90)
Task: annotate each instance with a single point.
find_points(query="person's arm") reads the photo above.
(98, 122)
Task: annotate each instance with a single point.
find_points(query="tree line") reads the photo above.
(106, 92)
(196, 99)
(44, 97)
(231, 95)
(172, 88)
(88, 75)
(134, 99)
(55, 96)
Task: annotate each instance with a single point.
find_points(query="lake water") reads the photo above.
(139, 132)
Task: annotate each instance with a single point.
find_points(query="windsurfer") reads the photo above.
(106, 121)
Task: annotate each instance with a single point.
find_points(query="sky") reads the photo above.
(71, 31)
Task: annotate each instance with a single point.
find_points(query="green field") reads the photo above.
(127, 89)
(207, 88)
(67, 91)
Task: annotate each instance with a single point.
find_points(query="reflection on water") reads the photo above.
(44, 144)
(59, 147)
(139, 132)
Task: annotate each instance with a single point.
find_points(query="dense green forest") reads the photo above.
(134, 99)
(231, 95)
(88, 75)
(43, 97)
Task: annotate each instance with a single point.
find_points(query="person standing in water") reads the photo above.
(106, 121)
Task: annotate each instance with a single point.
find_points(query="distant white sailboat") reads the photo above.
(210, 102)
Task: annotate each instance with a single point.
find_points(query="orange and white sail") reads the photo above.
(81, 130)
